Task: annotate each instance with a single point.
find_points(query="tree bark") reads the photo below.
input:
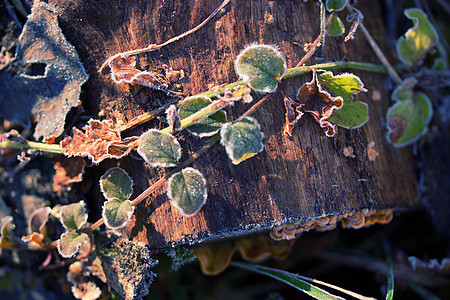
(300, 178)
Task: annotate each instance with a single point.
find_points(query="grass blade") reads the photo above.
(390, 287)
(289, 279)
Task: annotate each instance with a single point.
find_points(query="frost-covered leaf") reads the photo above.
(313, 99)
(123, 70)
(73, 216)
(335, 5)
(180, 256)
(242, 139)
(70, 242)
(187, 191)
(405, 90)
(261, 67)
(336, 27)
(117, 213)
(206, 127)
(99, 141)
(38, 219)
(116, 183)
(343, 85)
(50, 93)
(159, 149)
(408, 119)
(352, 115)
(418, 40)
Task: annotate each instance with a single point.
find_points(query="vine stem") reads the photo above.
(378, 51)
(174, 39)
(28, 145)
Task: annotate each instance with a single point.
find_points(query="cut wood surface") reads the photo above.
(294, 179)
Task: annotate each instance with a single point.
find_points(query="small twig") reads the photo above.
(378, 51)
(156, 47)
(317, 42)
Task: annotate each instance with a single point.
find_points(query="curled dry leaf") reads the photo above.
(313, 99)
(98, 142)
(49, 95)
(123, 70)
(67, 171)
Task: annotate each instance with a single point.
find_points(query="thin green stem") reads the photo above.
(299, 71)
(204, 113)
(51, 148)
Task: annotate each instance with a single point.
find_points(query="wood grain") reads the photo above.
(299, 178)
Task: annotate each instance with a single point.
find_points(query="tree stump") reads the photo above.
(297, 179)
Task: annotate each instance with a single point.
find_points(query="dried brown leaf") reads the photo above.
(48, 95)
(98, 142)
(312, 99)
(67, 171)
(123, 70)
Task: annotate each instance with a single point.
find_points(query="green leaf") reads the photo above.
(418, 40)
(344, 85)
(159, 149)
(70, 242)
(261, 67)
(242, 139)
(336, 27)
(335, 5)
(7, 226)
(38, 219)
(206, 127)
(439, 64)
(180, 256)
(117, 213)
(290, 279)
(408, 119)
(74, 216)
(405, 90)
(116, 183)
(351, 115)
(187, 191)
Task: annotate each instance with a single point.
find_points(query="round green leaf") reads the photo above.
(74, 216)
(343, 85)
(187, 191)
(351, 115)
(159, 149)
(70, 242)
(206, 127)
(117, 213)
(335, 5)
(261, 67)
(418, 40)
(116, 183)
(336, 27)
(242, 139)
(408, 119)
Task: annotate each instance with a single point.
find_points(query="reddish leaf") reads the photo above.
(98, 142)
(68, 171)
(313, 99)
(123, 70)
(33, 237)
